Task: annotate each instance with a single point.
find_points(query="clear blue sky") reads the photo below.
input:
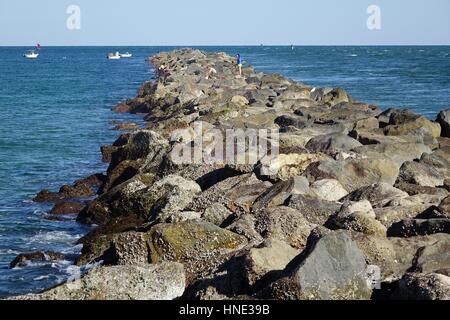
(233, 22)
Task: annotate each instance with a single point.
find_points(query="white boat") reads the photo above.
(115, 56)
(31, 54)
(126, 55)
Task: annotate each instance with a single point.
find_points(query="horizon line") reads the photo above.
(232, 45)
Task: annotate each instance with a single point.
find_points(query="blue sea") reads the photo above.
(56, 113)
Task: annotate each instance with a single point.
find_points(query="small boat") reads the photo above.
(115, 56)
(126, 55)
(31, 54)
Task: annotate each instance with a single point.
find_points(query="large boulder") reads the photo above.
(144, 144)
(332, 143)
(421, 174)
(331, 268)
(414, 126)
(394, 256)
(271, 257)
(355, 173)
(433, 258)
(24, 259)
(165, 281)
(169, 195)
(397, 152)
(199, 246)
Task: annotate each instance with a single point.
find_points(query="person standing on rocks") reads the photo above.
(239, 63)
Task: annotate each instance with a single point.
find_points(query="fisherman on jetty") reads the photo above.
(239, 63)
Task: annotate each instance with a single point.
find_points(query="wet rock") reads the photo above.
(122, 108)
(164, 281)
(421, 174)
(200, 246)
(107, 152)
(423, 287)
(417, 227)
(126, 126)
(78, 190)
(67, 208)
(23, 259)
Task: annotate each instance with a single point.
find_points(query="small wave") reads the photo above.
(353, 55)
(9, 251)
(61, 237)
(40, 278)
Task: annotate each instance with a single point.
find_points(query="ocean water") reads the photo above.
(55, 114)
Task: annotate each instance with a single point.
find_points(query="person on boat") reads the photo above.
(239, 63)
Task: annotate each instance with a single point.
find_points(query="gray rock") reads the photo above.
(329, 190)
(355, 173)
(165, 281)
(398, 152)
(285, 224)
(332, 143)
(434, 258)
(421, 174)
(315, 211)
(278, 193)
(333, 268)
(379, 194)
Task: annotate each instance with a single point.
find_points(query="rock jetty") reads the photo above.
(340, 200)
